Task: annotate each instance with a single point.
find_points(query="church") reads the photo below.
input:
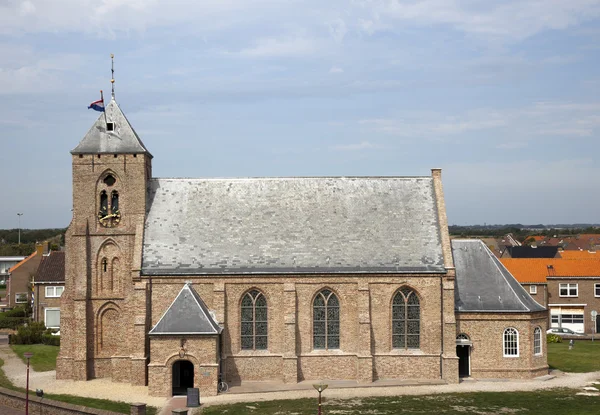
(177, 283)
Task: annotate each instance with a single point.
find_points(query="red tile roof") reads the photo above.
(527, 270)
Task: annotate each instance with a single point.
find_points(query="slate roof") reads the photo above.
(539, 269)
(52, 268)
(292, 225)
(123, 140)
(187, 315)
(483, 284)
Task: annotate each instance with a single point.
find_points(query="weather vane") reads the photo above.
(112, 70)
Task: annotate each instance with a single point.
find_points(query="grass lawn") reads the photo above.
(105, 404)
(585, 356)
(557, 401)
(44, 356)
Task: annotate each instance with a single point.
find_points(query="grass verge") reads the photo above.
(44, 356)
(120, 407)
(583, 357)
(556, 401)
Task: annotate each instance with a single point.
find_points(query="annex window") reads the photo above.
(254, 321)
(406, 320)
(597, 290)
(52, 318)
(554, 319)
(20, 298)
(568, 290)
(326, 321)
(571, 318)
(537, 341)
(511, 342)
(54, 291)
(533, 289)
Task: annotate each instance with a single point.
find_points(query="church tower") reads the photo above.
(103, 308)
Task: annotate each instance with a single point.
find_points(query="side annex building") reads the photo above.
(171, 282)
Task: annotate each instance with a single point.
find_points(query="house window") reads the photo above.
(20, 297)
(254, 321)
(597, 290)
(406, 320)
(568, 290)
(54, 291)
(537, 341)
(571, 318)
(533, 289)
(511, 342)
(326, 321)
(52, 318)
(554, 319)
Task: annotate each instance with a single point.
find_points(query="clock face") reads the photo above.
(108, 220)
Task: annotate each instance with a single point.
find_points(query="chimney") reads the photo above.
(39, 248)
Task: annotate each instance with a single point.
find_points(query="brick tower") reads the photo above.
(103, 310)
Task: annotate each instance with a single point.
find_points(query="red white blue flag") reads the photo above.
(97, 105)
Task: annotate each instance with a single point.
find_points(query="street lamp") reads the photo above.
(320, 387)
(19, 215)
(28, 356)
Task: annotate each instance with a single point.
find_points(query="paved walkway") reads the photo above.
(15, 370)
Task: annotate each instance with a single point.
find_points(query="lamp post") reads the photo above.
(320, 387)
(28, 356)
(19, 215)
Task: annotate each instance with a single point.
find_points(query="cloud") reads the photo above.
(281, 47)
(335, 69)
(363, 145)
(537, 120)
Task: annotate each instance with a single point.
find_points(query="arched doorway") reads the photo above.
(183, 377)
(463, 351)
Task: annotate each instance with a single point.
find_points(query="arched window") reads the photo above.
(326, 321)
(406, 320)
(114, 202)
(103, 203)
(254, 321)
(511, 342)
(537, 341)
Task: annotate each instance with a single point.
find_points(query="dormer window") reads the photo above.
(110, 126)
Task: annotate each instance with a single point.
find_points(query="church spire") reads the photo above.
(112, 74)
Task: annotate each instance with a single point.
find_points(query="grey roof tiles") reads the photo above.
(122, 140)
(187, 315)
(483, 284)
(292, 225)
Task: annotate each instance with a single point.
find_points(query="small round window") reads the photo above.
(109, 180)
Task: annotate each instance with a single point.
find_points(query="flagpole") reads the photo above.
(103, 106)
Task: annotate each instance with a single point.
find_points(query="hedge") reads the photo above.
(30, 334)
(13, 322)
(51, 340)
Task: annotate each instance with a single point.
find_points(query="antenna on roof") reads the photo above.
(112, 71)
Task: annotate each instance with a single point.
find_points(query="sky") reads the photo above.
(504, 96)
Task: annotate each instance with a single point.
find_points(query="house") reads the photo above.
(174, 283)
(48, 285)
(570, 288)
(20, 276)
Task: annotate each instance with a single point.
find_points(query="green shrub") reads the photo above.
(16, 312)
(2, 286)
(12, 322)
(553, 338)
(51, 340)
(30, 334)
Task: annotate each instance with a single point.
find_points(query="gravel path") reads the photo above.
(15, 370)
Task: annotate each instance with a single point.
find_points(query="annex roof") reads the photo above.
(532, 270)
(187, 315)
(292, 225)
(483, 284)
(122, 140)
(52, 268)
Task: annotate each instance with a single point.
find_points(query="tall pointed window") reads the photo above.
(114, 201)
(326, 321)
(254, 321)
(406, 320)
(103, 203)
(537, 341)
(511, 342)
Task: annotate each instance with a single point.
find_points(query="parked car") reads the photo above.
(563, 332)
